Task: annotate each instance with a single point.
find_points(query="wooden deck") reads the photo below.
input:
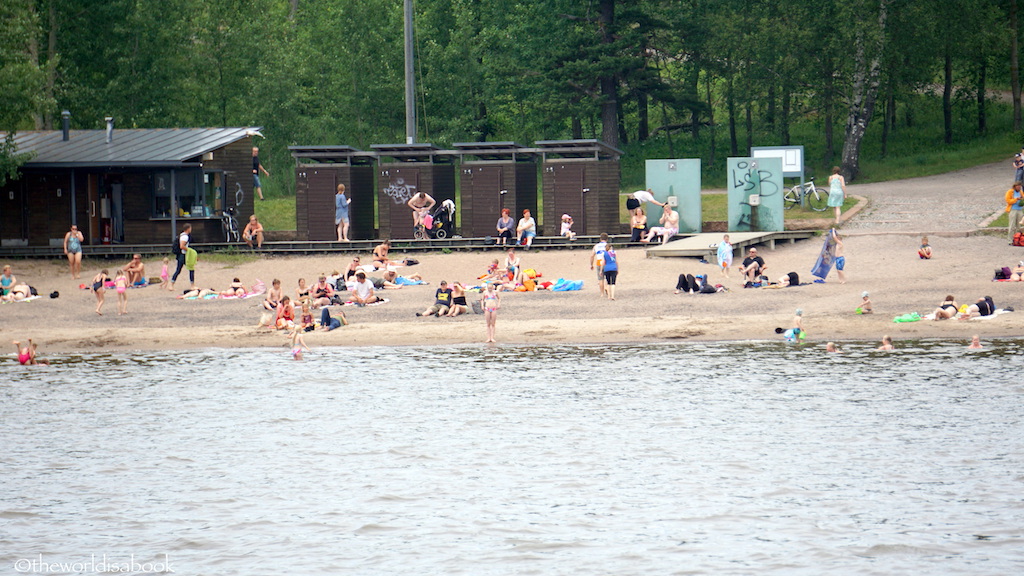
(117, 251)
(706, 245)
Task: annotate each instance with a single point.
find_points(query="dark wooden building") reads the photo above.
(492, 176)
(580, 178)
(318, 171)
(122, 186)
(404, 170)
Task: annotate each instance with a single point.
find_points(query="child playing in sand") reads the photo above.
(491, 303)
(121, 287)
(567, 227)
(99, 287)
(298, 342)
(165, 278)
(27, 354)
(925, 251)
(725, 255)
(865, 304)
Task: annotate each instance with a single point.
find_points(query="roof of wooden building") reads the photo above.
(151, 147)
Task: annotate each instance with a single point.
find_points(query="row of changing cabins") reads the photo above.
(140, 186)
(576, 177)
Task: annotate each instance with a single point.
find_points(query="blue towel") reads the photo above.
(828, 253)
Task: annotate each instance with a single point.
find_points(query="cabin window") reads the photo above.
(196, 191)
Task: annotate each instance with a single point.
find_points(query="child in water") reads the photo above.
(298, 343)
(27, 354)
(798, 325)
(121, 287)
(886, 343)
(491, 302)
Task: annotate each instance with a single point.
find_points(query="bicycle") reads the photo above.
(816, 198)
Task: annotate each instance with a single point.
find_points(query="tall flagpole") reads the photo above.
(410, 79)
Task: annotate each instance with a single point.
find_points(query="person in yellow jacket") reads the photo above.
(1014, 206)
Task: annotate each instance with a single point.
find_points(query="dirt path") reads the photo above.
(953, 203)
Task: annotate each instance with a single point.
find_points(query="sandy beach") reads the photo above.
(645, 310)
(881, 240)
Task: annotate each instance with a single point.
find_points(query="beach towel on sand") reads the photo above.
(828, 254)
(381, 301)
(563, 285)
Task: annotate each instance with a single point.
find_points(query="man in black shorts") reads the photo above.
(753, 266)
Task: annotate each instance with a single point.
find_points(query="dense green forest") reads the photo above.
(688, 78)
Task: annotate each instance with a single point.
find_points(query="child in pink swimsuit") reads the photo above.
(121, 286)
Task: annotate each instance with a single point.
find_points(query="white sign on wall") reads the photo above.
(792, 158)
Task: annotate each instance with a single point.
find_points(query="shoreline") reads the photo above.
(646, 310)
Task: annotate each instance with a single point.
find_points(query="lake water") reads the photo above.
(735, 458)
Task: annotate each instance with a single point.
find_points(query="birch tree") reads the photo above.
(868, 45)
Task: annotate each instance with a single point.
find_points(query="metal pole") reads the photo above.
(174, 207)
(410, 79)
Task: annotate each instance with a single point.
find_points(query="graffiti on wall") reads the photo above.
(399, 191)
(756, 193)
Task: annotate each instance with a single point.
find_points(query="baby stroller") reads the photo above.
(441, 224)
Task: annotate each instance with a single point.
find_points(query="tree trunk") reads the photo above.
(982, 79)
(695, 111)
(33, 56)
(787, 102)
(643, 129)
(828, 113)
(711, 120)
(1014, 66)
(51, 66)
(609, 89)
(668, 133)
(769, 113)
(947, 97)
(730, 104)
(865, 91)
(577, 128)
(750, 128)
(623, 136)
(886, 113)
